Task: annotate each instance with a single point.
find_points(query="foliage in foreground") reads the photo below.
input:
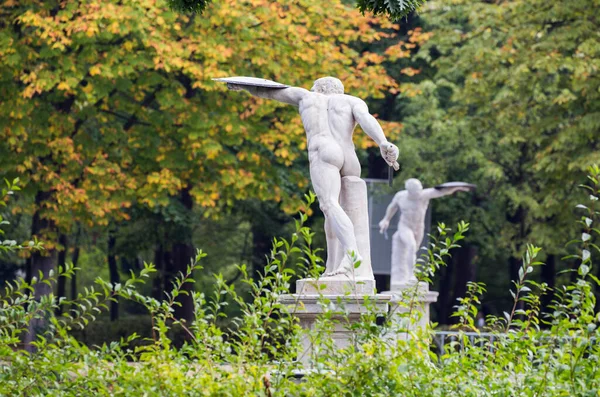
(532, 353)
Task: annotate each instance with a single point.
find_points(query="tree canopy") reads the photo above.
(113, 103)
(513, 105)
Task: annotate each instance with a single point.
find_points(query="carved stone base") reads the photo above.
(307, 305)
(335, 285)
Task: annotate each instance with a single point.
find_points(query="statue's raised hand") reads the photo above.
(463, 189)
(390, 152)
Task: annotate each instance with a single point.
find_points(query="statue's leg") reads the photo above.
(411, 258)
(332, 248)
(419, 238)
(326, 181)
(404, 252)
(396, 271)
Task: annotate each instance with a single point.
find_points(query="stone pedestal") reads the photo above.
(337, 285)
(350, 298)
(412, 297)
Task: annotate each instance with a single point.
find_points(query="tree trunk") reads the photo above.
(168, 273)
(62, 280)
(445, 303)
(266, 222)
(41, 263)
(182, 257)
(29, 269)
(515, 263)
(548, 276)
(158, 284)
(597, 290)
(182, 254)
(261, 249)
(465, 271)
(113, 274)
(74, 259)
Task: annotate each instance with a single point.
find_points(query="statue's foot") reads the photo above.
(339, 272)
(345, 268)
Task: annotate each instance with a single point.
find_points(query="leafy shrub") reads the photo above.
(102, 329)
(532, 353)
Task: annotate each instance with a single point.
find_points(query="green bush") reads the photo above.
(532, 354)
(102, 329)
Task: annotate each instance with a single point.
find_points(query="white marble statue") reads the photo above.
(412, 203)
(329, 118)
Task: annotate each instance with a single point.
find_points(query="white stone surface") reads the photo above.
(307, 308)
(335, 285)
(329, 118)
(412, 203)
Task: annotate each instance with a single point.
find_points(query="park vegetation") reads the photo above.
(532, 352)
(120, 157)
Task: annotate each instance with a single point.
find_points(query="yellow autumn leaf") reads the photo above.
(283, 153)
(94, 70)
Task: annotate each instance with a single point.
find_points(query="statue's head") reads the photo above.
(413, 185)
(328, 86)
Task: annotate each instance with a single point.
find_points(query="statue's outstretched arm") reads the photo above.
(290, 95)
(432, 193)
(371, 127)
